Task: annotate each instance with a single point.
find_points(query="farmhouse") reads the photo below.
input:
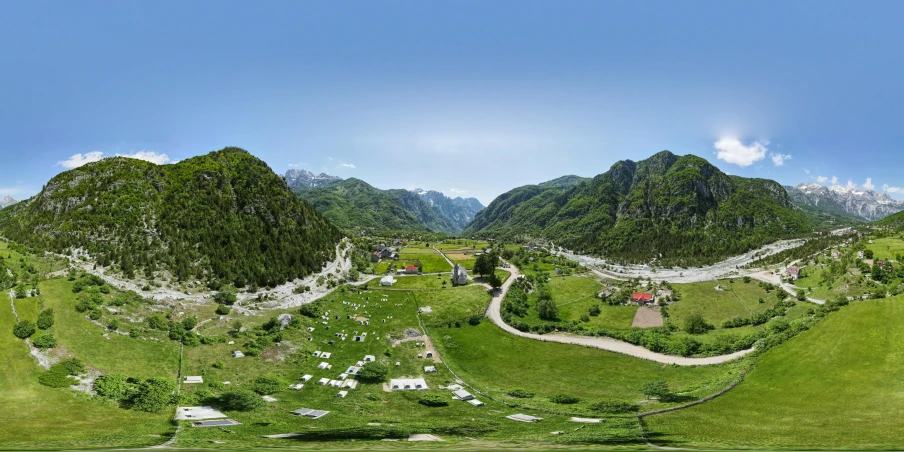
(642, 297)
(407, 384)
(794, 273)
(387, 280)
(411, 269)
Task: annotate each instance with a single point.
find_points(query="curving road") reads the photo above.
(604, 343)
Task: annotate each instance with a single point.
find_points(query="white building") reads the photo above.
(459, 275)
(407, 384)
(387, 280)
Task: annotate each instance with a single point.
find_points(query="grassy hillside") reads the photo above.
(681, 207)
(835, 386)
(224, 215)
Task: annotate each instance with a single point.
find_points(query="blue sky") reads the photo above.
(470, 98)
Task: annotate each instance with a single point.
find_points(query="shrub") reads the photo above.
(594, 310)
(658, 389)
(225, 297)
(313, 310)
(268, 384)
(191, 339)
(433, 400)
(696, 324)
(94, 314)
(45, 319)
(44, 340)
(112, 386)
(135, 333)
(241, 400)
(154, 394)
(189, 323)
(24, 329)
(157, 322)
(218, 365)
(520, 394)
(113, 325)
(56, 377)
(547, 309)
(73, 366)
(564, 399)
(373, 372)
(223, 309)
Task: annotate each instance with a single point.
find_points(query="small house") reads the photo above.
(411, 269)
(387, 280)
(642, 297)
(794, 273)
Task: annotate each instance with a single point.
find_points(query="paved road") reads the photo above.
(605, 343)
(777, 280)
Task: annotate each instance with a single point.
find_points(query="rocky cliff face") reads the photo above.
(306, 180)
(866, 204)
(460, 210)
(7, 201)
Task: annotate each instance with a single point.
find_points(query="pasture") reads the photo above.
(738, 299)
(835, 386)
(886, 248)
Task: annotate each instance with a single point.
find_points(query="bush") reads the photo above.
(189, 323)
(268, 384)
(44, 340)
(45, 319)
(225, 297)
(373, 372)
(24, 329)
(157, 322)
(547, 309)
(520, 394)
(614, 407)
(241, 400)
(56, 377)
(191, 339)
(135, 333)
(223, 309)
(73, 366)
(113, 325)
(112, 386)
(594, 310)
(433, 400)
(219, 365)
(696, 324)
(154, 394)
(94, 314)
(313, 310)
(658, 389)
(564, 399)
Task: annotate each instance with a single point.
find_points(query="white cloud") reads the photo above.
(851, 185)
(779, 159)
(78, 160)
(888, 189)
(148, 156)
(458, 191)
(869, 184)
(297, 165)
(806, 171)
(834, 180)
(347, 165)
(821, 179)
(733, 151)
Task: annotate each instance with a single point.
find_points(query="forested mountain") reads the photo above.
(564, 181)
(460, 210)
(355, 203)
(7, 201)
(839, 201)
(681, 207)
(300, 180)
(224, 215)
(895, 221)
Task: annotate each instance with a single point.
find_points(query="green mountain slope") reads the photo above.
(895, 221)
(223, 215)
(681, 207)
(354, 203)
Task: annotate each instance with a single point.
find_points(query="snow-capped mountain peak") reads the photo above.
(866, 204)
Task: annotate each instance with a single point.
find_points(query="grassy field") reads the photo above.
(836, 386)
(886, 248)
(847, 285)
(574, 295)
(40, 417)
(497, 362)
(739, 299)
(453, 304)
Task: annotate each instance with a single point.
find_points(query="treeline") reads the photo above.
(809, 248)
(224, 215)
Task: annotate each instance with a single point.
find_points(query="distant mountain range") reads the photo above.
(863, 205)
(680, 207)
(7, 201)
(354, 203)
(299, 179)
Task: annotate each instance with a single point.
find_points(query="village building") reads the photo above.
(193, 380)
(411, 269)
(794, 273)
(387, 280)
(642, 297)
(459, 275)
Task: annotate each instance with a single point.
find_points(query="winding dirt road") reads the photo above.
(604, 343)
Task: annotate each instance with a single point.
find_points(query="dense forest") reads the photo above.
(224, 215)
(354, 203)
(681, 208)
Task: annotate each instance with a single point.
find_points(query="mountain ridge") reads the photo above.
(866, 205)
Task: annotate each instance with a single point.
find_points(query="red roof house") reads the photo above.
(642, 297)
(411, 269)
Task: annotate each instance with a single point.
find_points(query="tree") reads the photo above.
(868, 254)
(486, 264)
(313, 309)
(154, 394)
(226, 297)
(44, 340)
(696, 324)
(242, 400)
(433, 400)
(547, 309)
(658, 389)
(494, 281)
(189, 323)
(223, 309)
(24, 329)
(373, 372)
(112, 386)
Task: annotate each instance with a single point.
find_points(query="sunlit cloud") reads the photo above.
(869, 184)
(779, 159)
(78, 160)
(733, 151)
(148, 156)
